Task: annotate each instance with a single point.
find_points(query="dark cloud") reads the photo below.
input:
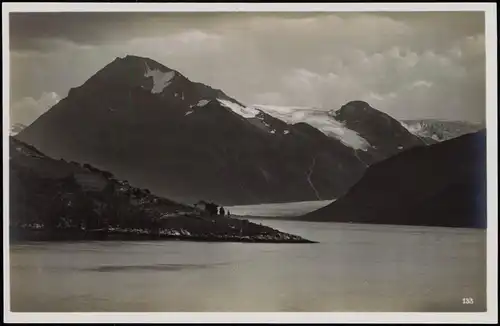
(28, 30)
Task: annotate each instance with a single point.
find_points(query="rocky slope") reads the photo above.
(57, 200)
(438, 185)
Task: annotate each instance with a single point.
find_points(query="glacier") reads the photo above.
(245, 112)
(320, 120)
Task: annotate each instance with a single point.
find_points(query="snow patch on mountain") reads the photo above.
(419, 130)
(189, 112)
(245, 112)
(415, 128)
(160, 79)
(202, 103)
(320, 120)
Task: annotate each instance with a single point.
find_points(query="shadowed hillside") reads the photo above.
(57, 200)
(438, 185)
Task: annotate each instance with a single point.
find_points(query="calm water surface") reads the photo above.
(354, 268)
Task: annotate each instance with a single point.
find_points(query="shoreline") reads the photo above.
(34, 235)
(290, 218)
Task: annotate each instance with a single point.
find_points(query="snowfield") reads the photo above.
(202, 103)
(320, 120)
(418, 130)
(245, 112)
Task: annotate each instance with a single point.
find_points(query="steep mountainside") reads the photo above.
(184, 140)
(438, 185)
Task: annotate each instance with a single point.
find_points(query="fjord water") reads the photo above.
(353, 268)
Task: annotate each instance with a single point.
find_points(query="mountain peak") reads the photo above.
(135, 59)
(384, 132)
(360, 110)
(355, 107)
(358, 103)
(133, 71)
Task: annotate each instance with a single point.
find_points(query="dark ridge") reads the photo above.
(437, 185)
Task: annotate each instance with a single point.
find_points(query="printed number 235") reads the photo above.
(467, 301)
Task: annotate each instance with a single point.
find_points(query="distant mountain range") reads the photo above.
(443, 184)
(187, 141)
(439, 130)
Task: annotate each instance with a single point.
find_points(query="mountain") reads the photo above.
(187, 141)
(56, 200)
(434, 131)
(374, 134)
(384, 133)
(16, 128)
(438, 185)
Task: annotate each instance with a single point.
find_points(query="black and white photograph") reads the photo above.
(249, 158)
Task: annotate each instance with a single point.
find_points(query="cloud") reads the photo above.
(269, 97)
(410, 65)
(422, 83)
(26, 110)
(399, 81)
(184, 43)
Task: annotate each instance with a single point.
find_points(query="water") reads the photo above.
(279, 209)
(354, 268)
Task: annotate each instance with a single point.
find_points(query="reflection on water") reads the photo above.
(353, 268)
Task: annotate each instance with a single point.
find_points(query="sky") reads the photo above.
(411, 65)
